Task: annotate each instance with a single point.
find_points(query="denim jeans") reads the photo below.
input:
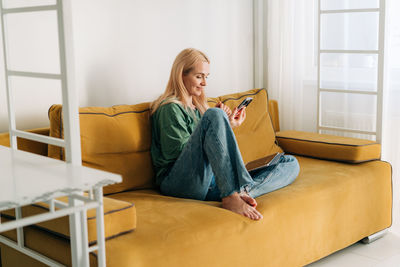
(211, 159)
(274, 177)
(266, 179)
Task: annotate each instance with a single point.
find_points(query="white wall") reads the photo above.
(124, 50)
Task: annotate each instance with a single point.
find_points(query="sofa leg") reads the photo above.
(374, 237)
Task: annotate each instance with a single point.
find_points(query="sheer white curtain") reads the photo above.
(292, 78)
(391, 122)
(291, 61)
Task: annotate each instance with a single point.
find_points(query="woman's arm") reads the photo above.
(173, 131)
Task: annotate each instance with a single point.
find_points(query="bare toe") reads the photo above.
(259, 215)
(256, 215)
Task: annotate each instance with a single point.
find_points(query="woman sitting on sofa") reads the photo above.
(194, 150)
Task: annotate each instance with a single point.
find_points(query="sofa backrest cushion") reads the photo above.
(256, 136)
(117, 139)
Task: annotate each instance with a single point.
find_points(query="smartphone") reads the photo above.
(244, 103)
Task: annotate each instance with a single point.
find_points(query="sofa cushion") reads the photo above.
(256, 136)
(119, 219)
(330, 147)
(26, 144)
(116, 139)
(41, 241)
(329, 206)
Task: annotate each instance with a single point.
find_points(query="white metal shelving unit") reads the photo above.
(28, 178)
(379, 53)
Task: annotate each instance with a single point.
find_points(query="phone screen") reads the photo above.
(245, 103)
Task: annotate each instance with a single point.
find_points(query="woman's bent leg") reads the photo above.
(211, 149)
(276, 177)
(224, 155)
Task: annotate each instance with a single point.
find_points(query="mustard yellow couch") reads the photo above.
(342, 195)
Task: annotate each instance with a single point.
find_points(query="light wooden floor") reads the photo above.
(384, 252)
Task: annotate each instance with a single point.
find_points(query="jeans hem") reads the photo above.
(244, 188)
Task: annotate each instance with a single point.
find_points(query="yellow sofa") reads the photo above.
(342, 195)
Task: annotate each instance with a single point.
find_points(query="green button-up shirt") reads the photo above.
(172, 126)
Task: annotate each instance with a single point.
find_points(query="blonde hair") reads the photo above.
(176, 91)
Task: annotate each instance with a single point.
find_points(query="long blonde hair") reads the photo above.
(176, 91)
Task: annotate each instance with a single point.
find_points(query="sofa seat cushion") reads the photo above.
(330, 147)
(328, 207)
(119, 219)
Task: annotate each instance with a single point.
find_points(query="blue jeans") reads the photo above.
(211, 160)
(265, 180)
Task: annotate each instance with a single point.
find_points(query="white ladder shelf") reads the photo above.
(14, 193)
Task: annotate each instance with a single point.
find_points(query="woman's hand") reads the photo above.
(237, 117)
(225, 108)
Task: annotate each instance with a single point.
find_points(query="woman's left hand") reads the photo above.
(237, 117)
(225, 108)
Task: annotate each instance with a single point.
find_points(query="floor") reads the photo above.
(384, 252)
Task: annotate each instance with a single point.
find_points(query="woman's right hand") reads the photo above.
(237, 117)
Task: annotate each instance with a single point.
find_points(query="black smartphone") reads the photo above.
(245, 103)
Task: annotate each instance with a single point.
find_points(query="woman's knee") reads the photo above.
(214, 114)
(292, 164)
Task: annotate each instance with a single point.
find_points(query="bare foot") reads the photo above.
(248, 199)
(236, 204)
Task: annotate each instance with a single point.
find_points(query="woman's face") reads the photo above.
(195, 80)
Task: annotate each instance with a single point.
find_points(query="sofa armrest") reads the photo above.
(119, 219)
(331, 147)
(27, 145)
(274, 114)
